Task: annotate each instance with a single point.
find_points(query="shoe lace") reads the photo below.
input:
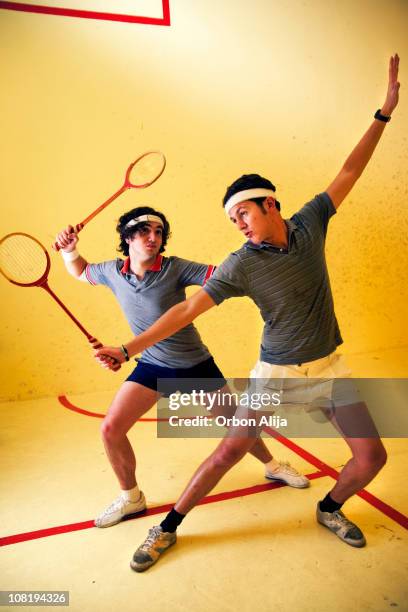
(154, 535)
(352, 530)
(116, 504)
(286, 467)
(343, 519)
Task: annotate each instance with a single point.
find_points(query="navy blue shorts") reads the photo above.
(204, 376)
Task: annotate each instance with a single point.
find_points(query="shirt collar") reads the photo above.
(266, 245)
(156, 267)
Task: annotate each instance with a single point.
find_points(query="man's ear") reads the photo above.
(269, 202)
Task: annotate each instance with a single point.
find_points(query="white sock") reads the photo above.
(132, 495)
(272, 465)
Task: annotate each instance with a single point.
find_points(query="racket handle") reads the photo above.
(56, 247)
(96, 345)
(77, 229)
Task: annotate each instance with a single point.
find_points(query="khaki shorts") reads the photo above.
(322, 383)
(322, 388)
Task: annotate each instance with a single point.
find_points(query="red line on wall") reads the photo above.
(51, 531)
(66, 12)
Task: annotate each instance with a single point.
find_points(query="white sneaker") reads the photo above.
(286, 473)
(119, 509)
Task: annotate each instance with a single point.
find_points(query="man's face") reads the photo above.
(255, 223)
(146, 242)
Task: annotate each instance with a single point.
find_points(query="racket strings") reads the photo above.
(147, 169)
(22, 259)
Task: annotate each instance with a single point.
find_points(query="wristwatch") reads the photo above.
(380, 117)
(124, 352)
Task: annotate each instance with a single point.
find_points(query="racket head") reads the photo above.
(145, 170)
(24, 261)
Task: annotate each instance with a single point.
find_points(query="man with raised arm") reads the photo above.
(282, 269)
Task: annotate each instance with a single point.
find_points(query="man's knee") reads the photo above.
(380, 457)
(373, 457)
(109, 430)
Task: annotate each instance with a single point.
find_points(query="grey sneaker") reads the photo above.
(342, 527)
(154, 545)
(286, 473)
(120, 509)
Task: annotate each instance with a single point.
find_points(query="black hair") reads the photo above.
(129, 232)
(250, 181)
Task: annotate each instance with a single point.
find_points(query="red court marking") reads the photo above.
(66, 12)
(389, 511)
(67, 404)
(374, 501)
(44, 533)
(324, 470)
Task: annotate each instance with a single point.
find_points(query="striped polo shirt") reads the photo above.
(144, 301)
(290, 287)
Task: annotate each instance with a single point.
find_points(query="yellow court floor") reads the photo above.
(257, 548)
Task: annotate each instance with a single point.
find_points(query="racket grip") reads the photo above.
(96, 345)
(77, 229)
(56, 247)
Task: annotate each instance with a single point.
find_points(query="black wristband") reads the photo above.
(125, 352)
(380, 117)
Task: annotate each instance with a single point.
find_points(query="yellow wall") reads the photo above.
(284, 88)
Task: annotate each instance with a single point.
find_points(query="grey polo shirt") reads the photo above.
(144, 301)
(290, 287)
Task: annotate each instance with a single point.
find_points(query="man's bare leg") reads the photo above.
(226, 409)
(226, 455)
(260, 451)
(229, 451)
(239, 440)
(129, 404)
(369, 454)
(368, 457)
(274, 469)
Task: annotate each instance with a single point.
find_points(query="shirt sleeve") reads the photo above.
(100, 273)
(193, 273)
(229, 280)
(316, 213)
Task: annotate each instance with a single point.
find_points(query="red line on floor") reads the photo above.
(374, 501)
(66, 12)
(67, 404)
(386, 509)
(324, 470)
(51, 531)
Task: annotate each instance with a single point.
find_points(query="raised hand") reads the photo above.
(67, 239)
(392, 96)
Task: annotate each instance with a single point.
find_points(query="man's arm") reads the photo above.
(168, 324)
(67, 241)
(361, 154)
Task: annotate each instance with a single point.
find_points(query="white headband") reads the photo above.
(247, 194)
(144, 219)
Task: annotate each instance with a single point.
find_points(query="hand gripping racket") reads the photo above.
(24, 261)
(143, 172)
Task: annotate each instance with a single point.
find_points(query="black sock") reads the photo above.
(172, 521)
(329, 505)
